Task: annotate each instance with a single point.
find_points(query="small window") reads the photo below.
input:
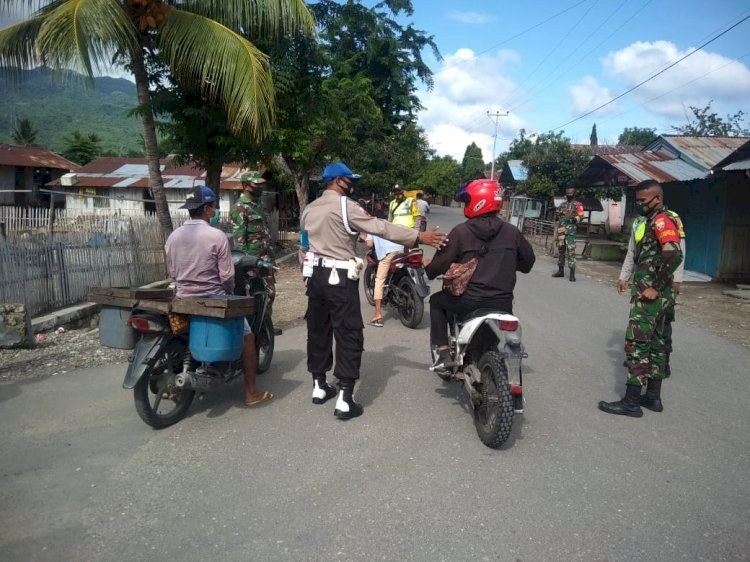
(101, 202)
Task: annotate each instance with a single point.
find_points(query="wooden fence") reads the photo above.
(51, 271)
(541, 232)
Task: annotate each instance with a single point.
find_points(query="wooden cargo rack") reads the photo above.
(162, 300)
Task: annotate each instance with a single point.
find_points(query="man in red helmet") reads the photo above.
(501, 250)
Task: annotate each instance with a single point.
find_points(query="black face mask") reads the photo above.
(569, 197)
(646, 209)
(348, 189)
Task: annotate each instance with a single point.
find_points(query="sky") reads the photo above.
(545, 63)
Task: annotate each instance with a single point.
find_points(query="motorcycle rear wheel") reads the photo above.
(493, 416)
(369, 284)
(264, 343)
(158, 401)
(411, 307)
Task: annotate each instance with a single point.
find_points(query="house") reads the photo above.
(705, 181)
(122, 185)
(25, 169)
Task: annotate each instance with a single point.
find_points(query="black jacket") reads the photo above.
(507, 252)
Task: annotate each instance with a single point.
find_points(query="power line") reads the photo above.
(509, 39)
(662, 71)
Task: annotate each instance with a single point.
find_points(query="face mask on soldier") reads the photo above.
(646, 207)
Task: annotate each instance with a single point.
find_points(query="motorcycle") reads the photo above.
(161, 371)
(487, 352)
(405, 285)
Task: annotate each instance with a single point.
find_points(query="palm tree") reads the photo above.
(202, 42)
(24, 134)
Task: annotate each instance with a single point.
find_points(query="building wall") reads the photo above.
(7, 182)
(131, 200)
(734, 262)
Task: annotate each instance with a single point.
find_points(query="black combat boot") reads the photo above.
(630, 405)
(572, 274)
(652, 399)
(346, 407)
(667, 368)
(560, 272)
(322, 391)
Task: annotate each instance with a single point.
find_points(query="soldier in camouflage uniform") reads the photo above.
(569, 213)
(251, 233)
(657, 256)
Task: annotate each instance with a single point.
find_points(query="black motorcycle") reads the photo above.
(162, 372)
(405, 285)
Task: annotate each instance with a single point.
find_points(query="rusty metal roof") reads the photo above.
(704, 151)
(27, 156)
(602, 149)
(132, 173)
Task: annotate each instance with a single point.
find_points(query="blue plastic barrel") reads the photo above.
(216, 339)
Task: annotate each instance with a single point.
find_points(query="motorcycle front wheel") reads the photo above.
(410, 307)
(369, 282)
(158, 401)
(264, 342)
(493, 416)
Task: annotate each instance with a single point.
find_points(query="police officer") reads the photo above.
(332, 223)
(657, 256)
(402, 210)
(569, 213)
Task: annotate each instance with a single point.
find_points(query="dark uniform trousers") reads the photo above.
(333, 312)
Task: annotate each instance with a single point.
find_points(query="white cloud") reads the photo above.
(472, 18)
(711, 76)
(456, 109)
(589, 94)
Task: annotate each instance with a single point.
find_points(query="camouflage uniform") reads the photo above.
(654, 268)
(569, 212)
(251, 234)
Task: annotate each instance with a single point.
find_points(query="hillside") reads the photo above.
(57, 107)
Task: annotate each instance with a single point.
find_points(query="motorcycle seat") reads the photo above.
(477, 313)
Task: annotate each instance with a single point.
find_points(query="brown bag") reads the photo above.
(457, 278)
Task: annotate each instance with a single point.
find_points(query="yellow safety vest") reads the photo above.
(402, 213)
(639, 226)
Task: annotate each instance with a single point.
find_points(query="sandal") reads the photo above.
(265, 397)
(377, 322)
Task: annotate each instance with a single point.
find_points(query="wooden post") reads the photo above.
(51, 224)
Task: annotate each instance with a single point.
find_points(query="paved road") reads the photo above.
(82, 478)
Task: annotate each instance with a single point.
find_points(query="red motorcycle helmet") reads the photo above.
(481, 197)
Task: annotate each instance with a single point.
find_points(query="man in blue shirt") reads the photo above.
(385, 250)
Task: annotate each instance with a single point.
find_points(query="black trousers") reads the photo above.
(333, 312)
(443, 302)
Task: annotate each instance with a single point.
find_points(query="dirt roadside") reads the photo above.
(701, 304)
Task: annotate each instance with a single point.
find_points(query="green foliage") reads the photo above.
(62, 103)
(24, 134)
(636, 136)
(472, 164)
(705, 122)
(594, 138)
(441, 175)
(518, 150)
(553, 165)
(80, 148)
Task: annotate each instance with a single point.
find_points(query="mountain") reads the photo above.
(58, 103)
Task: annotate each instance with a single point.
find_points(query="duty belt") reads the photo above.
(331, 263)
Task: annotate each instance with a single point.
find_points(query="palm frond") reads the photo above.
(223, 66)
(17, 45)
(84, 34)
(255, 18)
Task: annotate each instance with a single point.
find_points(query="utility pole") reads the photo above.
(497, 115)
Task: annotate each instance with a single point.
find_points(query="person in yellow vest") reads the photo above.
(402, 210)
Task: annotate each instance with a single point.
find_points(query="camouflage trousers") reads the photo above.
(644, 339)
(567, 250)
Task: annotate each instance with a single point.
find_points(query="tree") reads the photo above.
(706, 123)
(202, 44)
(636, 136)
(472, 164)
(441, 174)
(24, 134)
(80, 148)
(593, 139)
(553, 165)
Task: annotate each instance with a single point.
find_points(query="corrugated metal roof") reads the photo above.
(651, 165)
(27, 156)
(602, 149)
(739, 165)
(518, 170)
(706, 151)
(133, 173)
